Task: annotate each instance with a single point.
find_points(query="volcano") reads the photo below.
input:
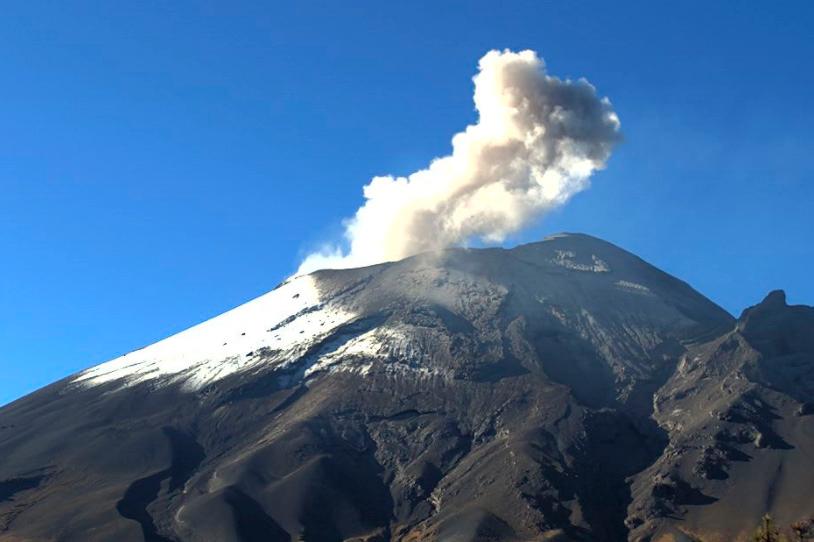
(560, 390)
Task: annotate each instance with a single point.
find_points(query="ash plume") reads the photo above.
(536, 143)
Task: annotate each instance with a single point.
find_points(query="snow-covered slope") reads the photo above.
(587, 279)
(285, 321)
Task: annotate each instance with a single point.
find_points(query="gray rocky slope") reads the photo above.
(561, 390)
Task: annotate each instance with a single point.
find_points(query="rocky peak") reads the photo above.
(776, 328)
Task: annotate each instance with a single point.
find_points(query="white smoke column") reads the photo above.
(537, 141)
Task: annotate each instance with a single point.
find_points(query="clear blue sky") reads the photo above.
(161, 162)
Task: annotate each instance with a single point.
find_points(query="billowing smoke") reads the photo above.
(537, 141)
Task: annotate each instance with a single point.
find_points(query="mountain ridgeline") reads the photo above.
(561, 390)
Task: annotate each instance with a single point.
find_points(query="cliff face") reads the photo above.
(741, 435)
(559, 390)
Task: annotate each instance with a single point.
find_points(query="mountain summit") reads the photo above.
(561, 390)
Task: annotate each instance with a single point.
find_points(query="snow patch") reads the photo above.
(284, 321)
(633, 286)
(568, 259)
(556, 236)
(364, 347)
